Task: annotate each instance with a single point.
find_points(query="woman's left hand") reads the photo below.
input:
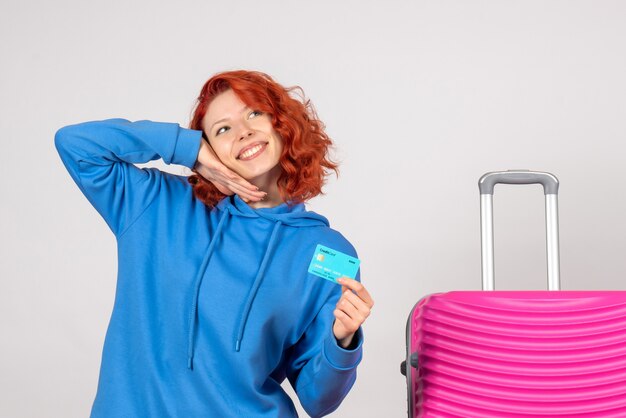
(352, 310)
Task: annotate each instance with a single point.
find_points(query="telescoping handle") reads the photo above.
(551, 189)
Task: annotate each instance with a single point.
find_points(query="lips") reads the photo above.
(259, 144)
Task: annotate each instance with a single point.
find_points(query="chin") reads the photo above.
(260, 172)
(255, 175)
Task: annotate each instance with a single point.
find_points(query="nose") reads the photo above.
(245, 133)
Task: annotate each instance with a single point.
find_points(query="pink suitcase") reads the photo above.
(517, 354)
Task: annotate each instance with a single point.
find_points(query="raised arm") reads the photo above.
(99, 156)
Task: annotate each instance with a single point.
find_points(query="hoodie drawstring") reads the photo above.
(255, 286)
(194, 306)
(293, 215)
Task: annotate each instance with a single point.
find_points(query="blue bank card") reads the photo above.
(331, 264)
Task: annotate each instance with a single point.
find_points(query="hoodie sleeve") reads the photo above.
(99, 156)
(320, 370)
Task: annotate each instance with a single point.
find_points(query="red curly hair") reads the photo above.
(304, 159)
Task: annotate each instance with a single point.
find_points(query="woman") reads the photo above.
(214, 304)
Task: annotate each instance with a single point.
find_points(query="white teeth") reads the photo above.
(251, 151)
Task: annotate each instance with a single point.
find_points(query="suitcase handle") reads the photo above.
(548, 181)
(551, 188)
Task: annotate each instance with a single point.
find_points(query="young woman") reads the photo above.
(214, 304)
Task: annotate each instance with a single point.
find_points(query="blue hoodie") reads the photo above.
(214, 307)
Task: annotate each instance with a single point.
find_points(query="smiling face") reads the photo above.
(243, 138)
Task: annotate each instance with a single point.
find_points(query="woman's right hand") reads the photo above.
(227, 181)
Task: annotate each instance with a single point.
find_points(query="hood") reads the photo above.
(286, 214)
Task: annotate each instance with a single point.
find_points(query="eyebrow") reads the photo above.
(225, 119)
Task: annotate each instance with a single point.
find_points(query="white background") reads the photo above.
(421, 98)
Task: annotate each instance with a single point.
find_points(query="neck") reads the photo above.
(268, 183)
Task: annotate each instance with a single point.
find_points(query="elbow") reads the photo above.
(319, 409)
(70, 138)
(322, 404)
(63, 137)
(68, 143)
(60, 137)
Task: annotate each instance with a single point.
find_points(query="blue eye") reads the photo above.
(256, 111)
